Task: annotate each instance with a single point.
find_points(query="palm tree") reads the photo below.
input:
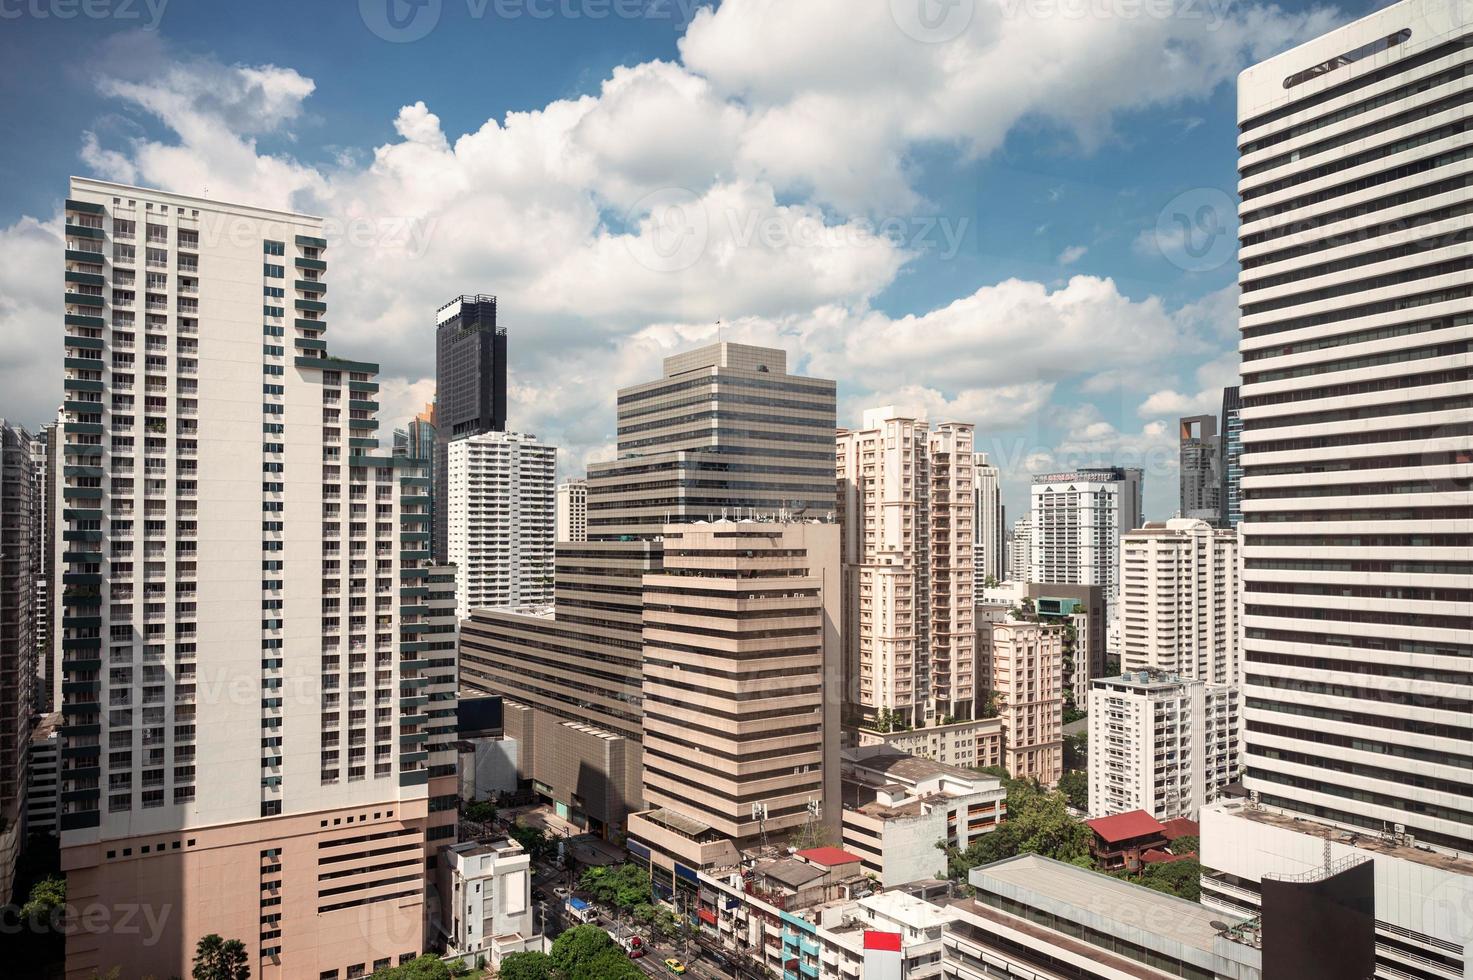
(220, 959)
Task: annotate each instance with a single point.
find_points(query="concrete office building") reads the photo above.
(907, 509)
(500, 520)
(1231, 493)
(989, 542)
(1028, 682)
(572, 510)
(725, 431)
(20, 562)
(1020, 549)
(1161, 743)
(743, 662)
(48, 680)
(42, 774)
(258, 658)
(1076, 524)
(470, 387)
(1034, 918)
(1355, 318)
(897, 808)
(1179, 600)
(417, 441)
(1200, 470)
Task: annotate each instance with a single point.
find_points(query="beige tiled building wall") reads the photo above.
(1028, 676)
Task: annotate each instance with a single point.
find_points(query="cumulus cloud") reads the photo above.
(1072, 254)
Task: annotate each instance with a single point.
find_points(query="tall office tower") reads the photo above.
(41, 534)
(1200, 476)
(1161, 743)
(417, 441)
(907, 508)
(48, 667)
(1179, 600)
(1357, 440)
(989, 552)
(470, 385)
(1231, 494)
(20, 557)
(572, 510)
(743, 673)
(1028, 681)
(726, 431)
(1020, 549)
(259, 664)
(1078, 518)
(501, 520)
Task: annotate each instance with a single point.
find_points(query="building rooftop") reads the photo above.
(1181, 827)
(1365, 840)
(1134, 907)
(678, 822)
(910, 911)
(791, 872)
(898, 766)
(829, 857)
(1125, 826)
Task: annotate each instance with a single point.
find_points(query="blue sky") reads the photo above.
(1022, 161)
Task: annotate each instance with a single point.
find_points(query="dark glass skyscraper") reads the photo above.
(470, 385)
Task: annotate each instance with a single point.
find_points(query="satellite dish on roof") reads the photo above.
(1219, 925)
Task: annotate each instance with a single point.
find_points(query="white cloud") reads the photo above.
(1072, 254)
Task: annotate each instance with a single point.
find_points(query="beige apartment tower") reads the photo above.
(726, 432)
(258, 660)
(907, 507)
(742, 669)
(1028, 678)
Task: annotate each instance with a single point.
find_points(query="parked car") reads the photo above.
(674, 965)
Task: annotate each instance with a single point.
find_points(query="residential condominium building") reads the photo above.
(1200, 470)
(1179, 600)
(1161, 743)
(725, 431)
(20, 562)
(470, 386)
(1028, 684)
(501, 520)
(417, 441)
(48, 680)
(258, 657)
(742, 672)
(907, 509)
(1020, 549)
(1357, 446)
(572, 510)
(990, 527)
(1077, 520)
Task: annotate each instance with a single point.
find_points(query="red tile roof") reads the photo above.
(1181, 827)
(828, 856)
(1125, 826)
(1161, 857)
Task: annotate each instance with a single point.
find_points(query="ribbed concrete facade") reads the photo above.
(259, 661)
(907, 508)
(1179, 600)
(742, 672)
(20, 564)
(1076, 522)
(572, 510)
(1028, 678)
(725, 431)
(1357, 318)
(989, 542)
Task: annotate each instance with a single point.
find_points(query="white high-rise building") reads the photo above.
(1020, 549)
(501, 520)
(906, 506)
(1179, 600)
(258, 661)
(1357, 444)
(572, 510)
(1077, 521)
(1161, 743)
(989, 549)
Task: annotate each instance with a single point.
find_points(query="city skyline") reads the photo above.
(1041, 234)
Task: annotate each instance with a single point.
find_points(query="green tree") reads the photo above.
(1076, 751)
(220, 959)
(1180, 878)
(47, 896)
(481, 811)
(608, 964)
(1038, 821)
(1186, 844)
(1075, 787)
(425, 967)
(535, 842)
(579, 944)
(624, 886)
(526, 966)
